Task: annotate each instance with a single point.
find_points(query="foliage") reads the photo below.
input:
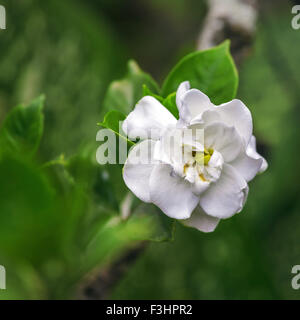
(67, 52)
(61, 219)
(123, 94)
(22, 129)
(58, 220)
(61, 214)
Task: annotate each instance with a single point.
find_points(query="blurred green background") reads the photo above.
(70, 51)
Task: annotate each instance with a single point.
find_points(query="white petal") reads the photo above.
(224, 139)
(227, 196)
(176, 147)
(251, 152)
(216, 160)
(172, 194)
(171, 147)
(136, 173)
(160, 154)
(236, 114)
(250, 163)
(148, 120)
(201, 221)
(194, 103)
(248, 167)
(197, 184)
(200, 186)
(207, 117)
(181, 91)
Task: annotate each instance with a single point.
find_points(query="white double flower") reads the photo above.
(197, 167)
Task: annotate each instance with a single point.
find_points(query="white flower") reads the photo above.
(198, 179)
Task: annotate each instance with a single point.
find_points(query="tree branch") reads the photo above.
(230, 19)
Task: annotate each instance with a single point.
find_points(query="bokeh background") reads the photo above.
(71, 50)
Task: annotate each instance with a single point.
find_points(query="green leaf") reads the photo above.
(170, 104)
(93, 178)
(43, 227)
(146, 224)
(26, 216)
(112, 122)
(22, 129)
(122, 95)
(211, 71)
(148, 92)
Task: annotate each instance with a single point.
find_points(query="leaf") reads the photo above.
(147, 224)
(170, 104)
(42, 227)
(113, 238)
(114, 173)
(93, 178)
(160, 227)
(211, 71)
(27, 221)
(22, 129)
(112, 122)
(148, 92)
(122, 95)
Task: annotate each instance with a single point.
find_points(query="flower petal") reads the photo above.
(200, 186)
(247, 166)
(227, 196)
(224, 139)
(172, 194)
(201, 221)
(207, 117)
(181, 91)
(176, 148)
(250, 163)
(194, 103)
(136, 171)
(148, 120)
(236, 114)
(251, 152)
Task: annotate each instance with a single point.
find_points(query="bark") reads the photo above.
(230, 19)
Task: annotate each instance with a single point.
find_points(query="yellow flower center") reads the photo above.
(203, 158)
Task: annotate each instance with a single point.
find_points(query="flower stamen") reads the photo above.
(185, 167)
(203, 158)
(201, 176)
